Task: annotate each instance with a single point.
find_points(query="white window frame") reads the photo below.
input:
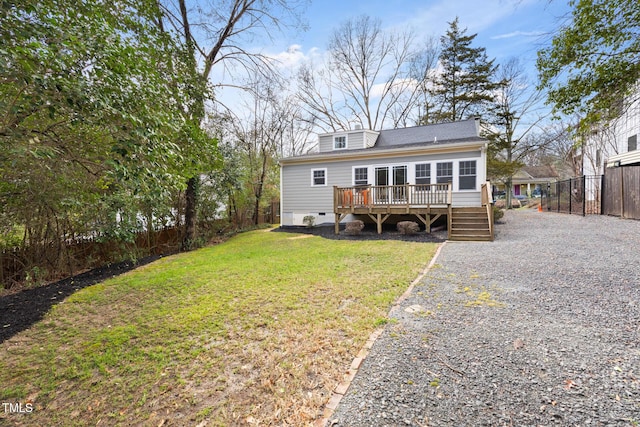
(366, 168)
(453, 171)
(415, 173)
(346, 142)
(313, 181)
(475, 188)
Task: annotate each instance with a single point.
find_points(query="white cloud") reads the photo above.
(434, 19)
(290, 58)
(518, 34)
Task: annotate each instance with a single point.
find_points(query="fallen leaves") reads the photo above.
(518, 344)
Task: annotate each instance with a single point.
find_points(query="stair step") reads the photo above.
(470, 224)
(469, 231)
(469, 209)
(483, 222)
(467, 238)
(485, 228)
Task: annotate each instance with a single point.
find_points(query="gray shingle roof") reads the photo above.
(417, 136)
(441, 132)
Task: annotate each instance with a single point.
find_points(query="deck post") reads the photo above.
(449, 221)
(372, 202)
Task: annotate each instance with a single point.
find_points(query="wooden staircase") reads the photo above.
(470, 224)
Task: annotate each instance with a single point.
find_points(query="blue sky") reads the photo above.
(506, 28)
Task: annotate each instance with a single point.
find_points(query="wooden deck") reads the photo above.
(427, 202)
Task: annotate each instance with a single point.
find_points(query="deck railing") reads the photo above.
(409, 195)
(487, 203)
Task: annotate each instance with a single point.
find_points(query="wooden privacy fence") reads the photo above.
(616, 193)
(621, 192)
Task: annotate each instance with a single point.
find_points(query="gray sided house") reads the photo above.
(426, 172)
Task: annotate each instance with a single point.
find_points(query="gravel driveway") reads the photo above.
(538, 328)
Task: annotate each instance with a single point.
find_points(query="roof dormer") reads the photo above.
(356, 139)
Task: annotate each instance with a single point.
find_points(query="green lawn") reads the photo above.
(256, 330)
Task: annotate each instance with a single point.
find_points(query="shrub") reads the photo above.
(497, 213)
(309, 221)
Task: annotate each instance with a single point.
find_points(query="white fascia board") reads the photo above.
(388, 153)
(624, 159)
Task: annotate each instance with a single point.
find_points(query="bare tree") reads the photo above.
(297, 136)
(516, 115)
(563, 148)
(322, 107)
(214, 33)
(422, 69)
(262, 135)
(364, 80)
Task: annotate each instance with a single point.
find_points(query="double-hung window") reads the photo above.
(340, 142)
(360, 176)
(423, 176)
(318, 177)
(444, 172)
(467, 175)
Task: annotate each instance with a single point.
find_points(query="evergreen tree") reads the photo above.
(465, 85)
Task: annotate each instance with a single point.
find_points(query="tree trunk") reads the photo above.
(256, 208)
(190, 215)
(508, 196)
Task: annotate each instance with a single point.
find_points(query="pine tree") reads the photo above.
(465, 85)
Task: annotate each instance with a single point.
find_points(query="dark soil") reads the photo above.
(20, 310)
(369, 232)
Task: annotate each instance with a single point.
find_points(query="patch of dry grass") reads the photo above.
(255, 331)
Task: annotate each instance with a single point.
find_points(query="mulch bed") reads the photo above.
(369, 232)
(22, 308)
(19, 310)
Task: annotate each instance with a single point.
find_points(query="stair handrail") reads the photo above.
(487, 202)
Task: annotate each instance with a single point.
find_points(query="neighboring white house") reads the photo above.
(389, 168)
(609, 143)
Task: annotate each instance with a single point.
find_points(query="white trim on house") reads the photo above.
(313, 177)
(629, 158)
(401, 149)
(345, 142)
(353, 175)
(351, 155)
(411, 171)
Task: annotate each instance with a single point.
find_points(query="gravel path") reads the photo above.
(539, 328)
